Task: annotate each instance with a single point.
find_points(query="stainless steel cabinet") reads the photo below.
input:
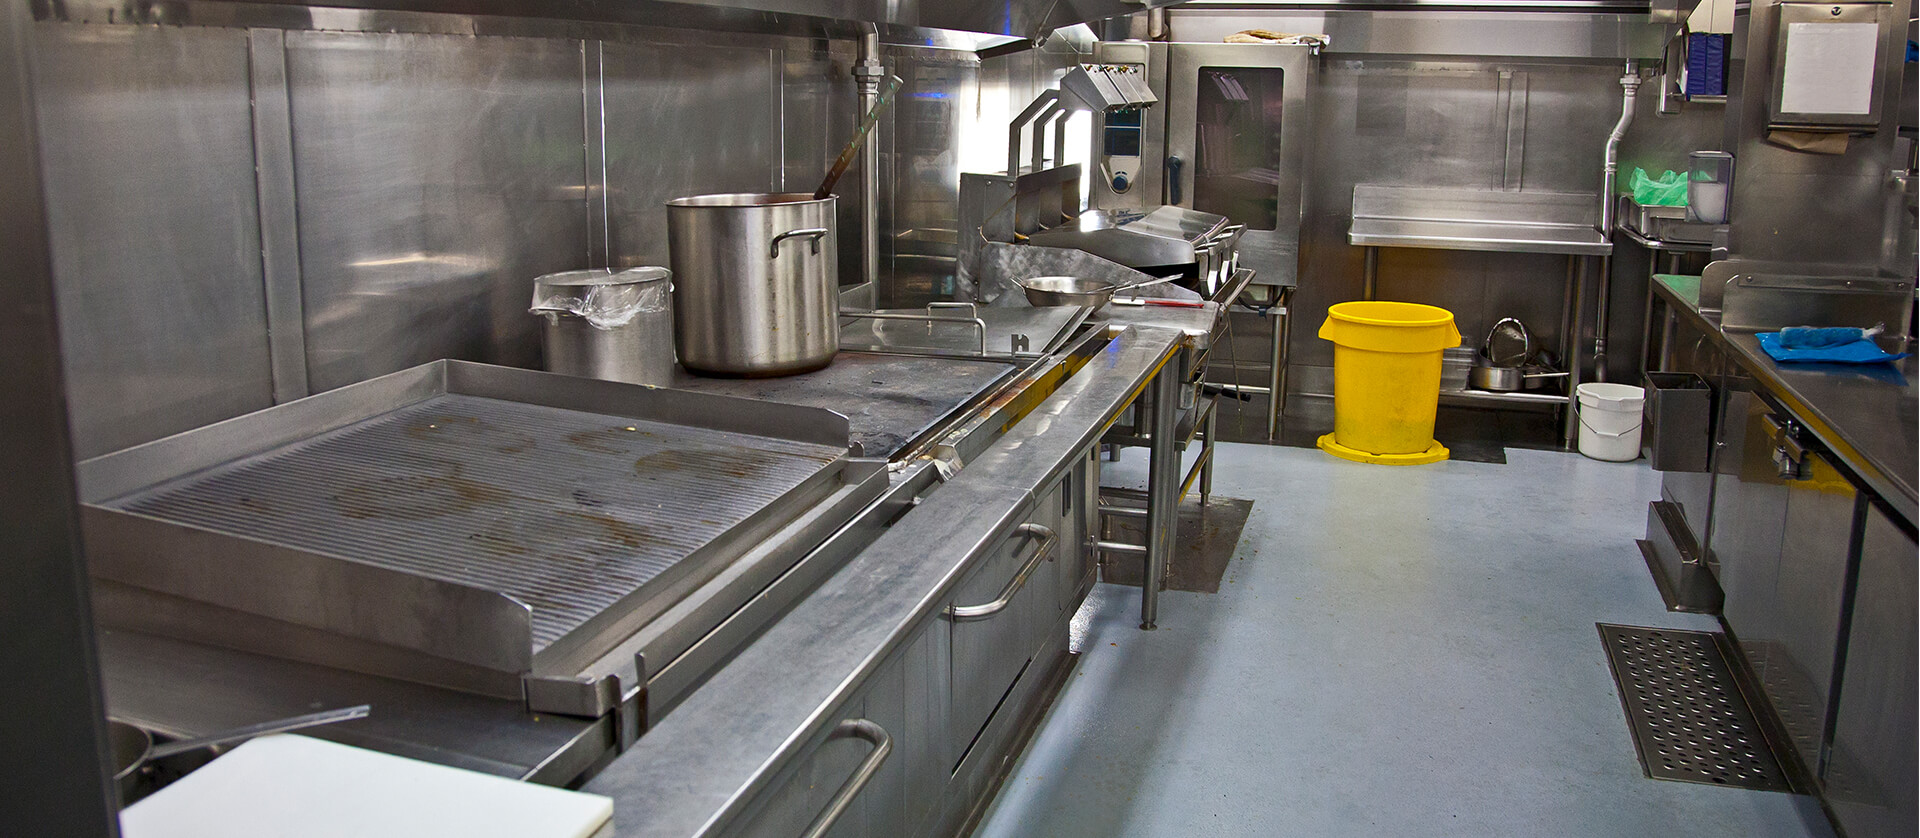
(1873, 770)
(803, 792)
(1783, 530)
(1002, 613)
(989, 624)
(1749, 521)
(1078, 566)
(951, 700)
(1809, 595)
(865, 770)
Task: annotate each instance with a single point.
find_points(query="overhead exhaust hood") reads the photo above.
(929, 22)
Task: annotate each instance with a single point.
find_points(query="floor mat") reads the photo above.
(1689, 720)
(1202, 548)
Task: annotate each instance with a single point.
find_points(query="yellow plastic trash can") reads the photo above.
(1386, 380)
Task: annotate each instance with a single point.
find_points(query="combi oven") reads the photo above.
(1228, 138)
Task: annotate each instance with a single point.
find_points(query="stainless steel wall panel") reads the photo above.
(683, 121)
(921, 174)
(593, 104)
(818, 109)
(147, 148)
(1572, 112)
(437, 177)
(279, 224)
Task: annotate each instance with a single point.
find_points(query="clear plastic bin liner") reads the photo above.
(605, 298)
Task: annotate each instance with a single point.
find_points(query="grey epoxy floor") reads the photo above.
(1395, 651)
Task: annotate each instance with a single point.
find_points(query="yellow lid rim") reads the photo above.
(1443, 318)
(1434, 453)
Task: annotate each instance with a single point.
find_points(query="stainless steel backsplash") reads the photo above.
(433, 177)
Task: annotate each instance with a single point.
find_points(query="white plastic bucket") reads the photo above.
(1610, 421)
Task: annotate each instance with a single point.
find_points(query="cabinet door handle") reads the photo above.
(872, 732)
(975, 613)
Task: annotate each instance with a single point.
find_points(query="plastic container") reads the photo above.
(1709, 182)
(1610, 421)
(1386, 380)
(612, 325)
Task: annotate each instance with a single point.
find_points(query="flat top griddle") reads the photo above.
(457, 523)
(564, 510)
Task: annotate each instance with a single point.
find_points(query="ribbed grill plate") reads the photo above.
(564, 510)
(1688, 717)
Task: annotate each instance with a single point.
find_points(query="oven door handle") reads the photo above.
(1174, 165)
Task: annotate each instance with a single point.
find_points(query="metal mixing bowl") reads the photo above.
(1068, 291)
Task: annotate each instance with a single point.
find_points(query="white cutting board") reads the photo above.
(290, 786)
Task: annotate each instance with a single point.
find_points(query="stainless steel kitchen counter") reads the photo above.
(1197, 324)
(1865, 414)
(704, 763)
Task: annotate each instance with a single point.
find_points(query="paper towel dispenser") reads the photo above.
(1828, 65)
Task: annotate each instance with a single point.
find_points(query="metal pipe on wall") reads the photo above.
(1630, 89)
(1630, 85)
(868, 72)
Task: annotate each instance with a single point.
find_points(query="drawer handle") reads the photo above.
(882, 746)
(975, 613)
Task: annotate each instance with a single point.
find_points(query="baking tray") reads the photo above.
(457, 523)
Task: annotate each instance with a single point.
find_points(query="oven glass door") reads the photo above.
(1237, 162)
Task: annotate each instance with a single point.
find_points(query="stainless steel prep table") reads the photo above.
(1497, 222)
(1865, 416)
(700, 770)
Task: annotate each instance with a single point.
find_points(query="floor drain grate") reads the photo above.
(1689, 720)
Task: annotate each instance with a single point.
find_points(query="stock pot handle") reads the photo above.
(813, 234)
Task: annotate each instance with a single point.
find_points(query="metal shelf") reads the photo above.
(1489, 397)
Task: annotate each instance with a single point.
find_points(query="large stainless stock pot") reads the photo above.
(756, 283)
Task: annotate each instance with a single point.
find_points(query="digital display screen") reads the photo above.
(1123, 141)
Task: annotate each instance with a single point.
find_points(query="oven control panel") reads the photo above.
(1120, 126)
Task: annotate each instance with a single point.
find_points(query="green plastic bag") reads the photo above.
(1670, 190)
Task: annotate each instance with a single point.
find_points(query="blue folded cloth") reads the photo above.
(1809, 337)
(1860, 351)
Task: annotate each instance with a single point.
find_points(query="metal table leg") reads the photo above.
(1206, 453)
(1282, 312)
(1578, 318)
(1163, 487)
(1370, 278)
